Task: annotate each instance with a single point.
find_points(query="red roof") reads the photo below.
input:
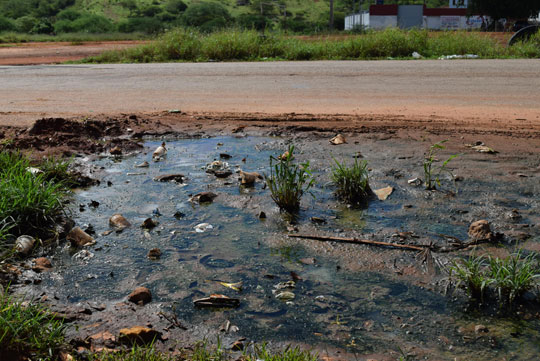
(383, 10)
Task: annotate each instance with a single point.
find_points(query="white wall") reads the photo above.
(382, 22)
(356, 20)
(436, 23)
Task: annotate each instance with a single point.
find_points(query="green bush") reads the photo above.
(25, 24)
(175, 6)
(352, 183)
(253, 22)
(288, 181)
(199, 14)
(28, 330)
(472, 274)
(227, 45)
(68, 14)
(95, 24)
(6, 24)
(141, 24)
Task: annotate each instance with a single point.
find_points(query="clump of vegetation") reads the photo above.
(432, 172)
(28, 329)
(352, 183)
(471, 273)
(513, 276)
(32, 199)
(510, 277)
(288, 181)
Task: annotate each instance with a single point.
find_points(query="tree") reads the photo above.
(509, 9)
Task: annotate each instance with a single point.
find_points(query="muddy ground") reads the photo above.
(517, 144)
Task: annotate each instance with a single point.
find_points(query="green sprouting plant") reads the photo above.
(136, 353)
(28, 330)
(288, 354)
(514, 275)
(288, 181)
(352, 182)
(432, 172)
(471, 274)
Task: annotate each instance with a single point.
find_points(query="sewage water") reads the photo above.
(361, 309)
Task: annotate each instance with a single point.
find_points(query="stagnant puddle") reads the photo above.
(357, 298)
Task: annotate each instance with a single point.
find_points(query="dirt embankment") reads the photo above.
(101, 133)
(57, 52)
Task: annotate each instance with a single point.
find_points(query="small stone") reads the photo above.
(225, 156)
(178, 178)
(154, 253)
(308, 261)
(119, 222)
(237, 345)
(80, 238)
(318, 220)
(249, 178)
(204, 197)
(93, 204)
(139, 335)
(144, 164)
(383, 193)
(285, 296)
(262, 215)
(480, 329)
(338, 139)
(149, 223)
(116, 151)
(42, 264)
(24, 244)
(480, 231)
(140, 295)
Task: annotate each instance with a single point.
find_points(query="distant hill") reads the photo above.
(154, 16)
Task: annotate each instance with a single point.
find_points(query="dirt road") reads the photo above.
(488, 93)
(57, 52)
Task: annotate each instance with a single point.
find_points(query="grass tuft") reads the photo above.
(288, 181)
(30, 203)
(28, 329)
(352, 182)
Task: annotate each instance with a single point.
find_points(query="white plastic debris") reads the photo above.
(203, 227)
(466, 56)
(417, 55)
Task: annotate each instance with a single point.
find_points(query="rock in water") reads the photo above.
(119, 222)
(204, 197)
(116, 151)
(249, 178)
(140, 295)
(178, 178)
(480, 231)
(154, 254)
(149, 223)
(80, 238)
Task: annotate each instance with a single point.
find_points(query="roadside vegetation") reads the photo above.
(184, 44)
(32, 196)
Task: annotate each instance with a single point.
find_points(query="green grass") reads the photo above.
(472, 274)
(508, 278)
(513, 276)
(352, 183)
(203, 352)
(30, 203)
(28, 329)
(246, 45)
(288, 181)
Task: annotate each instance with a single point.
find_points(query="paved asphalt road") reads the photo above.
(472, 89)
